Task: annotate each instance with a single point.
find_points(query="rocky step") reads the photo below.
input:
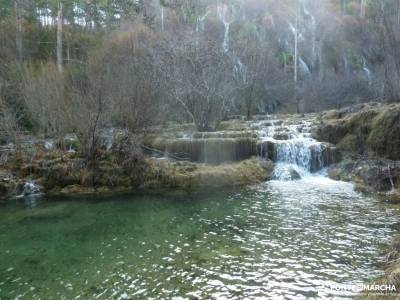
(320, 154)
(210, 150)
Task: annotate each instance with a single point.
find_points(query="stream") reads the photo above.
(282, 239)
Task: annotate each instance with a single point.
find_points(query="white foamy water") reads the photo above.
(295, 152)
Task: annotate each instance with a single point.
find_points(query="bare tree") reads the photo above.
(46, 102)
(130, 62)
(9, 126)
(201, 78)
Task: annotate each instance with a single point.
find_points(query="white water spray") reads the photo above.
(367, 73)
(292, 148)
(304, 68)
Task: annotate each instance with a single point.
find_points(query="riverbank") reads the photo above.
(368, 136)
(65, 174)
(174, 158)
(177, 160)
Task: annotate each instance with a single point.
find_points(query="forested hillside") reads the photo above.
(70, 65)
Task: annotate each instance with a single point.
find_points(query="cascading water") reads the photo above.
(29, 189)
(304, 68)
(292, 148)
(367, 73)
(162, 18)
(223, 15)
(222, 12)
(200, 22)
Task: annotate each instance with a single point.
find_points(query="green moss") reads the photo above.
(193, 177)
(385, 135)
(373, 130)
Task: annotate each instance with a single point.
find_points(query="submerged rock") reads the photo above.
(282, 136)
(286, 172)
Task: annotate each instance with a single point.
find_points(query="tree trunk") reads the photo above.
(59, 37)
(18, 29)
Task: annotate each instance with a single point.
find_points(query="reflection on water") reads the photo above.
(276, 239)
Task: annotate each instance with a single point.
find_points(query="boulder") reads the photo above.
(282, 136)
(294, 175)
(286, 172)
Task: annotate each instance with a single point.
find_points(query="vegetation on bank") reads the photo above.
(371, 130)
(369, 137)
(57, 172)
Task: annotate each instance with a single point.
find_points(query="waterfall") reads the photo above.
(292, 29)
(200, 22)
(292, 148)
(222, 11)
(367, 73)
(240, 70)
(390, 178)
(304, 68)
(49, 145)
(162, 18)
(346, 65)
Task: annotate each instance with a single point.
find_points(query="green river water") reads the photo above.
(273, 240)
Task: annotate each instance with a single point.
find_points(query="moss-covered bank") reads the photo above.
(369, 137)
(60, 173)
(368, 129)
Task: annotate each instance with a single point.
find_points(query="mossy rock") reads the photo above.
(371, 130)
(191, 177)
(385, 134)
